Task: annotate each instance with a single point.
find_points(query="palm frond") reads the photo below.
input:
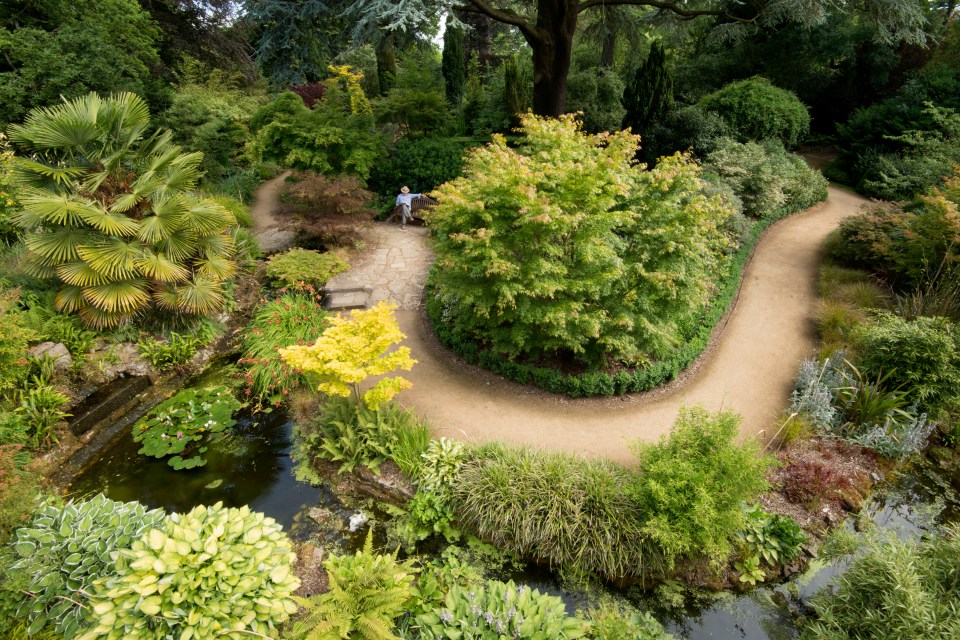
(121, 296)
(80, 274)
(216, 268)
(159, 267)
(99, 319)
(214, 246)
(113, 224)
(58, 246)
(179, 245)
(51, 208)
(114, 258)
(208, 217)
(35, 173)
(69, 299)
(166, 297)
(199, 296)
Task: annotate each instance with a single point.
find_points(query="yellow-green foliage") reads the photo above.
(353, 349)
(214, 572)
(305, 266)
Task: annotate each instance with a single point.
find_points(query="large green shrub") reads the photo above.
(691, 484)
(686, 129)
(368, 591)
(561, 247)
(500, 610)
(757, 110)
(769, 180)
(596, 93)
(295, 317)
(413, 110)
(920, 355)
(214, 572)
(337, 136)
(113, 214)
(422, 164)
(895, 589)
(305, 267)
(909, 247)
(63, 550)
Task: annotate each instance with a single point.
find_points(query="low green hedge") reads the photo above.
(599, 383)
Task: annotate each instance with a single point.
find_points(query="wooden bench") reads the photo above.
(417, 205)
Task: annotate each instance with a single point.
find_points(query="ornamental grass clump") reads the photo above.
(214, 572)
(63, 550)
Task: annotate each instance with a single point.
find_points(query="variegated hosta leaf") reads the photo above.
(115, 258)
(216, 268)
(114, 224)
(57, 247)
(199, 296)
(80, 274)
(118, 297)
(70, 299)
(159, 267)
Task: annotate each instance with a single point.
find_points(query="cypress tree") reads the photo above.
(513, 90)
(648, 96)
(453, 64)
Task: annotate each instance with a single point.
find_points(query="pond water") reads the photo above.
(253, 467)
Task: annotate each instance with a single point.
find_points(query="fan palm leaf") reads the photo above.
(165, 296)
(119, 296)
(112, 224)
(33, 173)
(208, 217)
(114, 258)
(220, 245)
(69, 299)
(199, 296)
(58, 246)
(100, 319)
(161, 268)
(216, 268)
(80, 274)
(45, 207)
(180, 245)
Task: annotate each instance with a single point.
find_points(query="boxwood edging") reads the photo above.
(598, 383)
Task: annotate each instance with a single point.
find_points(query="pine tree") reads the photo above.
(454, 63)
(649, 94)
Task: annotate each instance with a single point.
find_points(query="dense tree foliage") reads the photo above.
(454, 63)
(649, 94)
(757, 110)
(68, 48)
(563, 247)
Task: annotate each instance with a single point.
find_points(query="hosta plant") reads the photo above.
(500, 610)
(63, 550)
(214, 572)
(111, 212)
(771, 537)
(367, 593)
(183, 425)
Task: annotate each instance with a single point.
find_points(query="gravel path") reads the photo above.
(271, 234)
(749, 367)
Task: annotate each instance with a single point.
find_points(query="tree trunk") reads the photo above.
(386, 63)
(552, 45)
(609, 46)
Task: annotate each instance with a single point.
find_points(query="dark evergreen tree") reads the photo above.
(453, 64)
(648, 96)
(513, 90)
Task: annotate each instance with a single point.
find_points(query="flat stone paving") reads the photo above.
(393, 266)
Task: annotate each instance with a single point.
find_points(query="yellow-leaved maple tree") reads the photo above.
(352, 349)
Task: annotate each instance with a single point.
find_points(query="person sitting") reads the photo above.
(404, 200)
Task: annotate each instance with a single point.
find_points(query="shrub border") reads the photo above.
(598, 383)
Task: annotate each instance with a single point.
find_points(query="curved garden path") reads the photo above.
(269, 231)
(748, 369)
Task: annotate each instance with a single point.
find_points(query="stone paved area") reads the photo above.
(393, 267)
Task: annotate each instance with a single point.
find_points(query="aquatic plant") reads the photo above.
(214, 572)
(182, 426)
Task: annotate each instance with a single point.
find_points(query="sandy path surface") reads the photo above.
(271, 234)
(750, 368)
